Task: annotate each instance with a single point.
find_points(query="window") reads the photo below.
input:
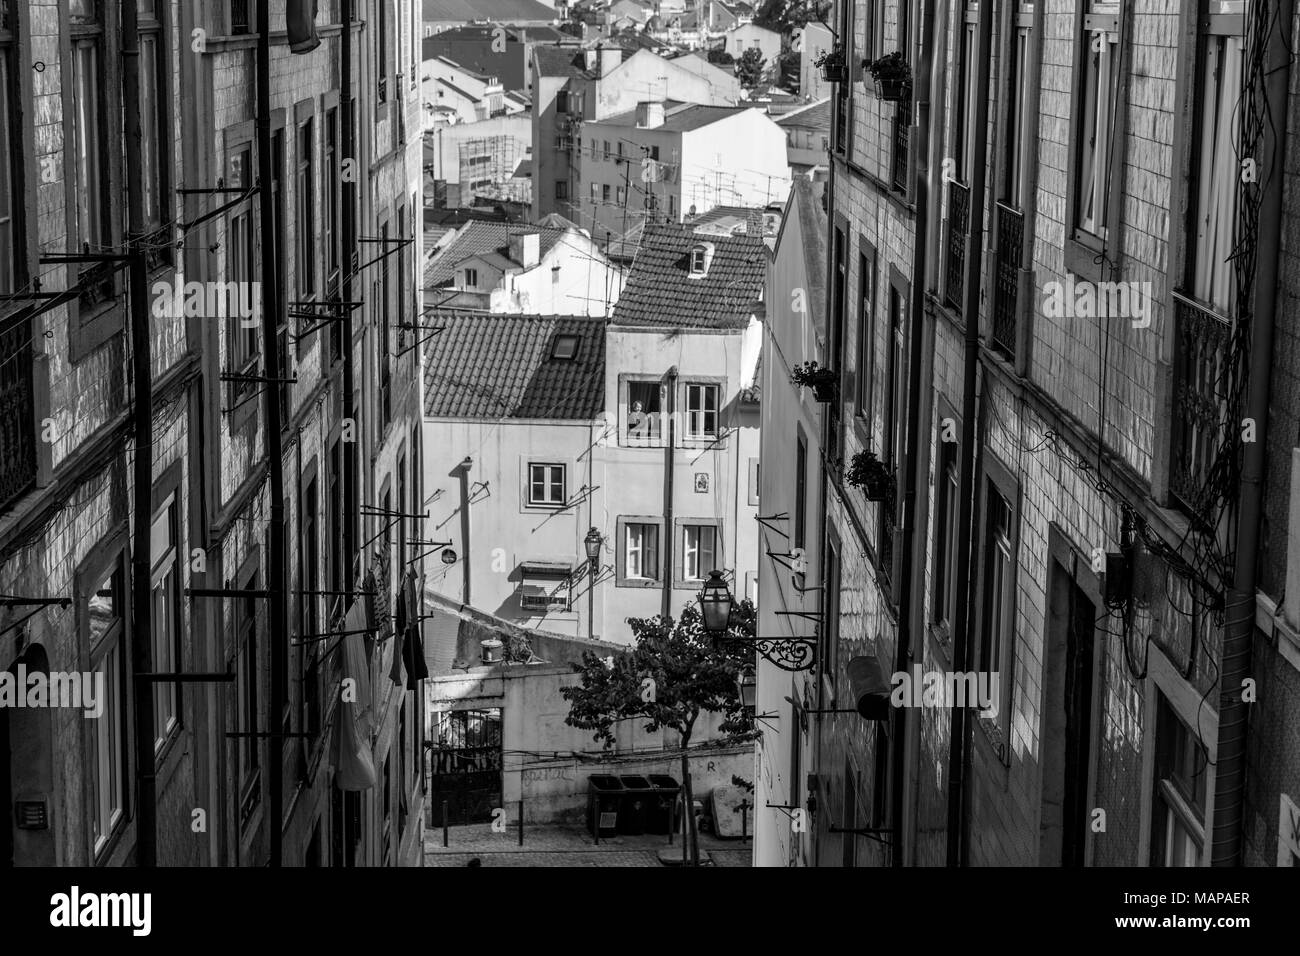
(306, 203)
(644, 411)
(107, 757)
(12, 257)
(544, 587)
(843, 119)
(93, 183)
(241, 266)
(697, 261)
(947, 483)
(239, 18)
(701, 411)
(471, 279)
(830, 632)
(561, 189)
(1215, 173)
(384, 331)
(565, 348)
(562, 101)
(800, 489)
(155, 120)
(964, 97)
(309, 605)
(1179, 791)
(604, 193)
(620, 196)
(165, 599)
(606, 143)
(699, 551)
(866, 333)
(278, 251)
(546, 484)
(641, 552)
(246, 670)
(1098, 98)
(595, 192)
(672, 206)
(1013, 176)
(996, 625)
(331, 220)
(381, 48)
(620, 150)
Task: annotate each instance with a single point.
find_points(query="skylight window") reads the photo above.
(565, 348)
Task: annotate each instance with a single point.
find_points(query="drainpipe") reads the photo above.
(142, 373)
(917, 383)
(275, 572)
(961, 646)
(1230, 775)
(464, 468)
(349, 262)
(667, 568)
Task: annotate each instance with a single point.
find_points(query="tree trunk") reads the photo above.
(691, 835)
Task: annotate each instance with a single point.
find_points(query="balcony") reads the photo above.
(1203, 379)
(17, 415)
(954, 280)
(1006, 283)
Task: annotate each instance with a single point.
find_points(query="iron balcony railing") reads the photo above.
(1011, 232)
(958, 223)
(901, 144)
(1202, 386)
(17, 413)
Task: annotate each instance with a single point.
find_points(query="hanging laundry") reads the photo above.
(413, 641)
(399, 618)
(354, 762)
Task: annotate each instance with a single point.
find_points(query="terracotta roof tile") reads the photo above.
(501, 366)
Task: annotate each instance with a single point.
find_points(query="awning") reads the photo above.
(542, 582)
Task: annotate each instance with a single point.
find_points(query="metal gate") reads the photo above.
(465, 766)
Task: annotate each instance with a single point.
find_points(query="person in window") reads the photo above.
(638, 422)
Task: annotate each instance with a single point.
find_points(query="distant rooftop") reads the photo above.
(660, 290)
(815, 116)
(499, 11)
(679, 117)
(508, 366)
(479, 238)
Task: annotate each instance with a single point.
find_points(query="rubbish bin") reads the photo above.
(663, 806)
(604, 794)
(637, 797)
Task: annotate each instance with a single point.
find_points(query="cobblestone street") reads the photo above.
(570, 846)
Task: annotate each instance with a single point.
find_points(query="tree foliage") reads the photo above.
(667, 678)
(749, 68)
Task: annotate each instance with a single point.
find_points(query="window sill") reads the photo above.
(1082, 260)
(637, 583)
(995, 739)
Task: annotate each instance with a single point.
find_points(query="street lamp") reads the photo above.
(747, 687)
(592, 543)
(787, 653)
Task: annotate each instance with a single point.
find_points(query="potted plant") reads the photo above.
(869, 473)
(831, 63)
(819, 378)
(892, 76)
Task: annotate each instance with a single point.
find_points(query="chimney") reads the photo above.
(610, 57)
(590, 58)
(649, 114)
(525, 249)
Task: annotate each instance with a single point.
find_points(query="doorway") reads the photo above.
(465, 766)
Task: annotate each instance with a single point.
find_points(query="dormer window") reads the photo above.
(701, 257)
(565, 348)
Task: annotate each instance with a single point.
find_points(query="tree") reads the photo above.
(669, 677)
(749, 68)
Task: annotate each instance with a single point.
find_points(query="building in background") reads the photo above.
(256, 753)
(465, 162)
(507, 56)
(451, 93)
(663, 161)
(441, 15)
(541, 428)
(571, 88)
(500, 268)
(807, 135)
(750, 36)
(810, 41)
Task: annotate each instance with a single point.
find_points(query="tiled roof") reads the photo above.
(680, 117)
(560, 61)
(659, 289)
(478, 237)
(814, 115)
(500, 366)
(498, 11)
